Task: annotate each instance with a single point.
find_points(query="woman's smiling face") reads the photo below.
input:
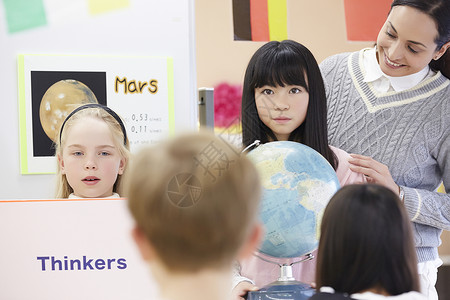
(406, 42)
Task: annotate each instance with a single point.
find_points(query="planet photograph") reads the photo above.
(54, 96)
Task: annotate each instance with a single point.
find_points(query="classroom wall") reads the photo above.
(140, 28)
(319, 25)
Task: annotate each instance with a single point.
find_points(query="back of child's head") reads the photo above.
(280, 64)
(366, 242)
(118, 134)
(195, 198)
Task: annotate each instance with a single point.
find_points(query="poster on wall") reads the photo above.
(139, 89)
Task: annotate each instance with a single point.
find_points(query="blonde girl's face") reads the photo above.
(90, 160)
(282, 109)
(406, 42)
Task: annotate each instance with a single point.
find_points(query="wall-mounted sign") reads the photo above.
(139, 89)
(70, 249)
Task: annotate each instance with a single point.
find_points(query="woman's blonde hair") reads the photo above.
(120, 139)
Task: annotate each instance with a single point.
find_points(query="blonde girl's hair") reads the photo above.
(120, 139)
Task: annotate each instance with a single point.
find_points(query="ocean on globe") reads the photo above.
(297, 184)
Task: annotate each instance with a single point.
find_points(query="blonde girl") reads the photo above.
(92, 151)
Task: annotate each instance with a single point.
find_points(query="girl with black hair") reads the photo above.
(284, 100)
(366, 248)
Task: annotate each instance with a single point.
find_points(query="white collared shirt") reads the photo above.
(384, 83)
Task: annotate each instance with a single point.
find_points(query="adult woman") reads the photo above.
(374, 261)
(391, 105)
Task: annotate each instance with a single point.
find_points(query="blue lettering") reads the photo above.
(66, 266)
(72, 263)
(121, 263)
(100, 264)
(43, 259)
(110, 261)
(56, 262)
(87, 263)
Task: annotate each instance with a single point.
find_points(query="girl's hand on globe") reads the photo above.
(374, 171)
(241, 289)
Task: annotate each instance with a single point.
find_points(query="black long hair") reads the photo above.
(280, 64)
(439, 11)
(366, 242)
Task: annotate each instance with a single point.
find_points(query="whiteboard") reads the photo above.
(143, 28)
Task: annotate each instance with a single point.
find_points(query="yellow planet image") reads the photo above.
(59, 101)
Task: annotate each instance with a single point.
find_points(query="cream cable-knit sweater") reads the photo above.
(408, 131)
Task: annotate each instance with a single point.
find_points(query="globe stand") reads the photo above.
(286, 287)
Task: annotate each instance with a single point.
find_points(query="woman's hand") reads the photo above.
(241, 289)
(374, 171)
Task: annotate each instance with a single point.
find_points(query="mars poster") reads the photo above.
(139, 89)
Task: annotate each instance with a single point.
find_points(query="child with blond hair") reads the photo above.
(195, 200)
(92, 149)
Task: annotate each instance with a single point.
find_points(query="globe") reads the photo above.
(59, 101)
(297, 184)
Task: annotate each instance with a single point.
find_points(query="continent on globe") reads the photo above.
(297, 184)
